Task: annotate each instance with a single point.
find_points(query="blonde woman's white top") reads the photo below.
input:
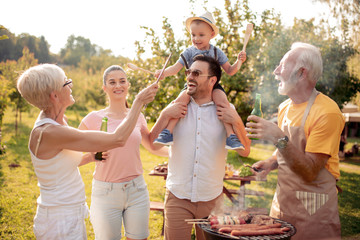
(59, 178)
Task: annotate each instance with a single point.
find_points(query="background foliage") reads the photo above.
(85, 62)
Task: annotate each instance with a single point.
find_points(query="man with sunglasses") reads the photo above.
(198, 155)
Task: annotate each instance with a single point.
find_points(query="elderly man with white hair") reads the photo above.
(307, 139)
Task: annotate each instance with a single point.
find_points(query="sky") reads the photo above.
(115, 24)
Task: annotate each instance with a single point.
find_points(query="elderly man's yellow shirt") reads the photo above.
(323, 127)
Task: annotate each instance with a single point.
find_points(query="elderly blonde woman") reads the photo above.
(56, 150)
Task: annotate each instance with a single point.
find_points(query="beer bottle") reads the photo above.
(98, 155)
(257, 109)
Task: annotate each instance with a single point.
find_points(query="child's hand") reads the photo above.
(157, 73)
(242, 56)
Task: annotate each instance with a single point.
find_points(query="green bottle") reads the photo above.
(98, 155)
(257, 109)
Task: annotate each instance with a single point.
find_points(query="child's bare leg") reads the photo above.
(182, 98)
(166, 136)
(229, 129)
(220, 98)
(171, 125)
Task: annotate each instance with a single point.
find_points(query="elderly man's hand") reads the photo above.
(260, 128)
(264, 167)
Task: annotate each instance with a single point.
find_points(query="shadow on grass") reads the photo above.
(355, 160)
(349, 205)
(17, 149)
(234, 159)
(18, 145)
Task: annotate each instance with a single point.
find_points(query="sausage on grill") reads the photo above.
(258, 232)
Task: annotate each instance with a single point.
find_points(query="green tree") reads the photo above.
(238, 87)
(11, 48)
(24, 39)
(347, 14)
(100, 61)
(266, 48)
(8, 85)
(5, 91)
(42, 53)
(7, 46)
(87, 89)
(4, 36)
(268, 43)
(160, 48)
(10, 71)
(337, 81)
(75, 49)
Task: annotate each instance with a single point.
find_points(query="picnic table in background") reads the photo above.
(161, 171)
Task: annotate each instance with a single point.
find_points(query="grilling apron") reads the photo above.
(311, 207)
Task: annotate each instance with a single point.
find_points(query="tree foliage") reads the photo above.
(11, 71)
(11, 48)
(85, 62)
(5, 91)
(75, 49)
(4, 36)
(268, 43)
(336, 82)
(347, 14)
(160, 49)
(9, 95)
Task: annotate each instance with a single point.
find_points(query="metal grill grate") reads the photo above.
(211, 234)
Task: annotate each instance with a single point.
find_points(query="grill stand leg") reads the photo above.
(241, 197)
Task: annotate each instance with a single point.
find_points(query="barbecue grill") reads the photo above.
(212, 234)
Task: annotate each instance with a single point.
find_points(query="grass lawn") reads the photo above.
(19, 190)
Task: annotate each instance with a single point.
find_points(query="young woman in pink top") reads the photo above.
(119, 192)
